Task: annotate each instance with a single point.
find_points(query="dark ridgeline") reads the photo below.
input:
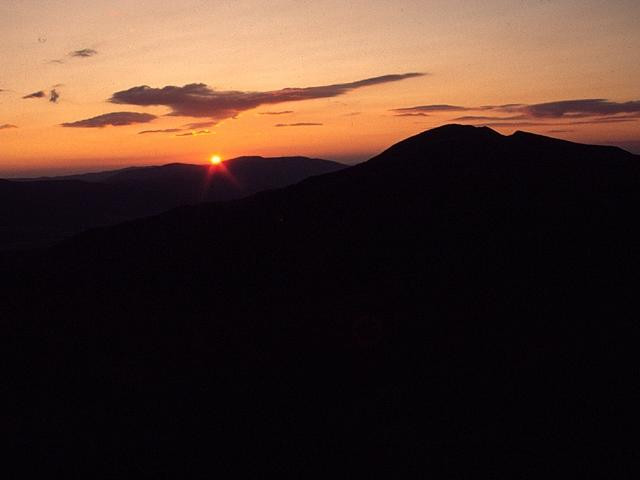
(41, 211)
(464, 300)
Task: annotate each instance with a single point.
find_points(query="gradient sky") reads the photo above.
(240, 71)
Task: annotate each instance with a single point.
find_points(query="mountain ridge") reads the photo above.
(38, 212)
(480, 296)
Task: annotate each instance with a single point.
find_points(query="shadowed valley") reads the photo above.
(40, 211)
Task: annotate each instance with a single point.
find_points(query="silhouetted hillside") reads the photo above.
(464, 299)
(40, 211)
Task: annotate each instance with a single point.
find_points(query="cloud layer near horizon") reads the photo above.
(570, 112)
(114, 119)
(201, 101)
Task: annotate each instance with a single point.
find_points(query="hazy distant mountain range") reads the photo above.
(464, 298)
(41, 210)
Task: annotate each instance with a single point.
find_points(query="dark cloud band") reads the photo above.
(115, 119)
(570, 112)
(199, 100)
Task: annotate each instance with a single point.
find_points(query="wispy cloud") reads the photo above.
(575, 108)
(565, 112)
(471, 118)
(7, 126)
(39, 94)
(299, 124)
(283, 112)
(53, 94)
(165, 130)
(196, 125)
(200, 100)
(83, 53)
(115, 119)
(429, 108)
(194, 134)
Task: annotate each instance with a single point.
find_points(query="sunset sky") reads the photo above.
(338, 79)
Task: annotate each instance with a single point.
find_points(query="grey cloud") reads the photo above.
(196, 125)
(39, 94)
(199, 100)
(7, 126)
(412, 114)
(569, 112)
(586, 107)
(83, 53)
(470, 118)
(166, 130)
(299, 124)
(283, 112)
(415, 111)
(193, 134)
(430, 108)
(534, 123)
(115, 119)
(563, 109)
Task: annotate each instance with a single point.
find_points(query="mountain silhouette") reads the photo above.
(464, 299)
(37, 212)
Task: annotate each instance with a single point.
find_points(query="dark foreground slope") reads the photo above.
(41, 211)
(465, 300)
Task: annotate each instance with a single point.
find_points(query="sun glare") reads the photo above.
(216, 160)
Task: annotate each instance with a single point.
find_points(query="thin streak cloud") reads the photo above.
(115, 119)
(83, 53)
(283, 112)
(194, 134)
(39, 94)
(165, 130)
(299, 124)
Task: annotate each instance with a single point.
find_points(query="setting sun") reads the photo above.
(216, 160)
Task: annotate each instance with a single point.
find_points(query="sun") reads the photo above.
(216, 160)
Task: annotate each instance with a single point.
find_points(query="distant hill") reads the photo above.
(464, 299)
(39, 211)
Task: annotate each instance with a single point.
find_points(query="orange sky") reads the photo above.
(247, 55)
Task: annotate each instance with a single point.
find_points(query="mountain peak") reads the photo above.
(451, 134)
